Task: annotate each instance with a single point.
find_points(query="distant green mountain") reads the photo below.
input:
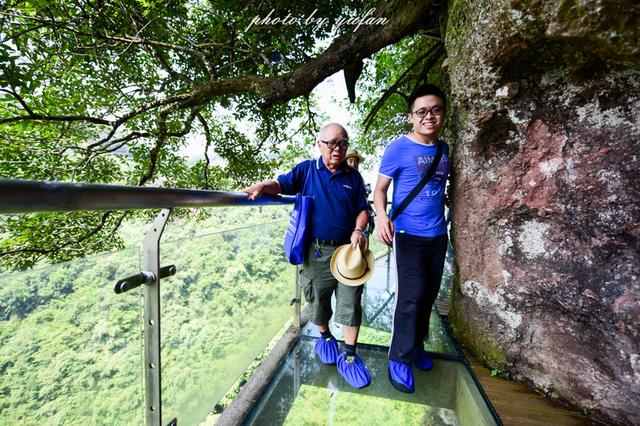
(71, 349)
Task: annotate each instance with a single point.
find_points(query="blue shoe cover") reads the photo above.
(423, 360)
(401, 376)
(353, 370)
(327, 350)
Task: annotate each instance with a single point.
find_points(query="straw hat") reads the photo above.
(352, 267)
(354, 153)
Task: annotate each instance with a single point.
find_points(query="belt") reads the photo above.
(332, 243)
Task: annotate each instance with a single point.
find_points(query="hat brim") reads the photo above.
(371, 264)
(358, 156)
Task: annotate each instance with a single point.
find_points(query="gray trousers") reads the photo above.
(318, 285)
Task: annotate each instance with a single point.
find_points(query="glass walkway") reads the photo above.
(306, 392)
(75, 352)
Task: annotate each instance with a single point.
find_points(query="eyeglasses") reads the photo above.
(342, 143)
(435, 111)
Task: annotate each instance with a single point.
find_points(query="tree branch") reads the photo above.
(131, 114)
(311, 114)
(207, 135)
(68, 243)
(42, 117)
(404, 18)
(19, 98)
(435, 51)
(162, 137)
(34, 116)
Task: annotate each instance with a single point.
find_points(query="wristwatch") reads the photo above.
(365, 234)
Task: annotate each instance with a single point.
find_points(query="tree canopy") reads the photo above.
(110, 91)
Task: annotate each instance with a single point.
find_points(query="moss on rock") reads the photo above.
(470, 334)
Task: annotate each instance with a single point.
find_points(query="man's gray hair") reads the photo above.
(319, 137)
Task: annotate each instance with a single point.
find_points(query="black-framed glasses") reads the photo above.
(332, 144)
(435, 111)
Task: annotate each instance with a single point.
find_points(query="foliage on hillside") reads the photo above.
(66, 338)
(70, 348)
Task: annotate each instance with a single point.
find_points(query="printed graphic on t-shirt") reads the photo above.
(435, 185)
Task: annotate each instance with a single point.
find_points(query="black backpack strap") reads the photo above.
(425, 179)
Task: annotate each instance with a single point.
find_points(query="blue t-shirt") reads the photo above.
(404, 161)
(338, 197)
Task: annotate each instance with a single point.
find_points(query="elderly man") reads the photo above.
(339, 217)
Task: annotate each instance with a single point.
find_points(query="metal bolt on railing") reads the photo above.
(143, 277)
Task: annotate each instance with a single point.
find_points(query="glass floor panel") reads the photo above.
(306, 392)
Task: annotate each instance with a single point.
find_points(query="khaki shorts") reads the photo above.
(318, 284)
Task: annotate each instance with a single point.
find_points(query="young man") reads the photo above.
(339, 216)
(419, 233)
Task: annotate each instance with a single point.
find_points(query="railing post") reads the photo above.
(152, 370)
(297, 301)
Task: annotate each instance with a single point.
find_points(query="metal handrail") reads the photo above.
(25, 196)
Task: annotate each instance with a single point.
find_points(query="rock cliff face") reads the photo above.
(546, 111)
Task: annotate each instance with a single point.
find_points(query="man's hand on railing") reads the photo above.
(254, 191)
(268, 187)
